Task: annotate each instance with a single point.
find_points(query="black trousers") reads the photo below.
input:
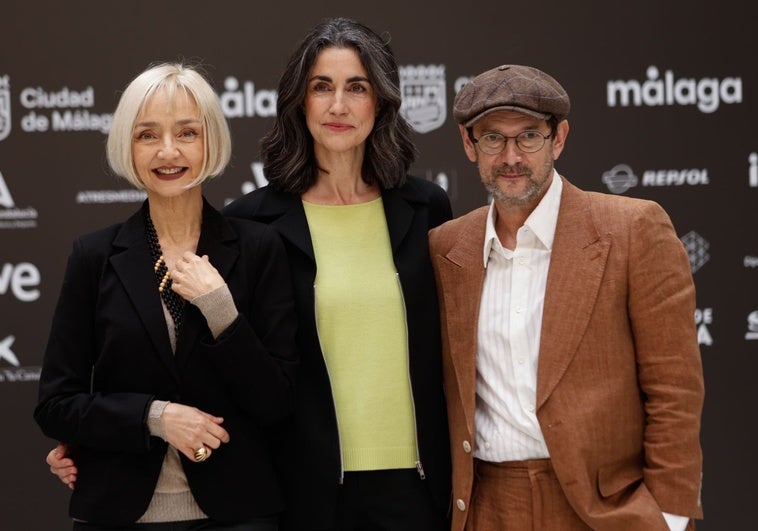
(257, 524)
(387, 500)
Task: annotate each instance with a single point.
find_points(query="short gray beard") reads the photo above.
(531, 193)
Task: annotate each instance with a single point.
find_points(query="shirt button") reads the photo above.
(530, 407)
(460, 504)
(487, 445)
(521, 361)
(466, 447)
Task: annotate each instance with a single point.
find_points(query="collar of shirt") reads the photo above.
(541, 221)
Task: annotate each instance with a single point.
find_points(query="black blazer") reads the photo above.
(312, 457)
(109, 357)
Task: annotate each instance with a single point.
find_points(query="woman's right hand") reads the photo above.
(62, 466)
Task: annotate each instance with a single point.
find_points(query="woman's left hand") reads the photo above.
(194, 276)
(188, 428)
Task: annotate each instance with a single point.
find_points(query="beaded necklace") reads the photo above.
(174, 302)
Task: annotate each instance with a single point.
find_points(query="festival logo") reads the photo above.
(707, 94)
(752, 174)
(422, 88)
(245, 101)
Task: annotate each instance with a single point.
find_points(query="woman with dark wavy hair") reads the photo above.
(367, 446)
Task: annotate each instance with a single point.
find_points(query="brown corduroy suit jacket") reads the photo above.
(620, 382)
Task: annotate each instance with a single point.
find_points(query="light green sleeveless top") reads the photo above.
(362, 330)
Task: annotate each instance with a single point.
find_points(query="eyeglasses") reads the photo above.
(494, 143)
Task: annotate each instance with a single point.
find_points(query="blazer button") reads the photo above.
(467, 447)
(461, 504)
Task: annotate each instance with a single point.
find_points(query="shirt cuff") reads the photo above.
(676, 522)
(218, 308)
(154, 424)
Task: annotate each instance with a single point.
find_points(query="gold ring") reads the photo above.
(201, 454)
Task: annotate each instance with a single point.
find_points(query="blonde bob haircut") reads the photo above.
(174, 78)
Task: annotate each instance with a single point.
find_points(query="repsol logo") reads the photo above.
(20, 279)
(691, 177)
(707, 94)
(621, 178)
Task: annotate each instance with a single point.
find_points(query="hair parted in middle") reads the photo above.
(178, 79)
(289, 162)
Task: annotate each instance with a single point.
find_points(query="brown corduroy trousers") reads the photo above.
(520, 496)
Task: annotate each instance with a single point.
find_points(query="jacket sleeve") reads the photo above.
(661, 308)
(67, 409)
(256, 356)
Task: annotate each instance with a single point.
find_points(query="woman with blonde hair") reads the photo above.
(171, 358)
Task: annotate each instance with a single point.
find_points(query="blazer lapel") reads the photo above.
(461, 274)
(215, 235)
(577, 266)
(399, 216)
(134, 269)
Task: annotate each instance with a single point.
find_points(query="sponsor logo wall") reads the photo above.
(666, 118)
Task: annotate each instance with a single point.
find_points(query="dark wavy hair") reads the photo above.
(287, 151)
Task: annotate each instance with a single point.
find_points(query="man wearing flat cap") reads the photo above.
(571, 363)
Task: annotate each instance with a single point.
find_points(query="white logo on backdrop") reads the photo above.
(6, 353)
(706, 93)
(10, 367)
(70, 110)
(752, 326)
(703, 318)
(246, 101)
(621, 178)
(22, 279)
(424, 100)
(6, 200)
(12, 217)
(259, 181)
(751, 261)
(697, 250)
(752, 174)
(5, 107)
(106, 197)
(691, 177)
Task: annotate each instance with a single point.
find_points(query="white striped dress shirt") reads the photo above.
(510, 320)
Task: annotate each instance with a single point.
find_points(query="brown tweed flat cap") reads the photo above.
(511, 88)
